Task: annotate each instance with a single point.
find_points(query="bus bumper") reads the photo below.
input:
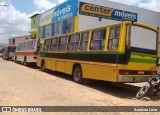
(132, 79)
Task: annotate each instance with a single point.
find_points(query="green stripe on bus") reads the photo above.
(142, 60)
(141, 54)
(94, 52)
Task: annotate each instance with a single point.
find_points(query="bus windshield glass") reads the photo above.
(143, 38)
(11, 49)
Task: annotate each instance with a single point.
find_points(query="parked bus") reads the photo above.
(123, 52)
(26, 52)
(8, 52)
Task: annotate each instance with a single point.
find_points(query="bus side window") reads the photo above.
(98, 39)
(22, 46)
(33, 44)
(46, 45)
(114, 38)
(84, 41)
(62, 45)
(25, 46)
(54, 44)
(17, 48)
(73, 42)
(28, 46)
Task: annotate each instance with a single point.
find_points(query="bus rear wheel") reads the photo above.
(25, 62)
(15, 59)
(77, 74)
(43, 66)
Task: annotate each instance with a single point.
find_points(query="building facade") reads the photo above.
(17, 40)
(78, 15)
(34, 32)
(59, 20)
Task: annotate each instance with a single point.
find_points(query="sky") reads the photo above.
(15, 21)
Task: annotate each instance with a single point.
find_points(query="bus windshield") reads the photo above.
(11, 49)
(143, 38)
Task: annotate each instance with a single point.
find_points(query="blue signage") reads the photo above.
(106, 12)
(65, 10)
(124, 15)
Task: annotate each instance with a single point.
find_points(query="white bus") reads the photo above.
(26, 52)
(8, 52)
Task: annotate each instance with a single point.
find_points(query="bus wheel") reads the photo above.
(15, 59)
(5, 57)
(25, 62)
(43, 66)
(77, 74)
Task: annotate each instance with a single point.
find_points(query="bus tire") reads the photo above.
(15, 59)
(25, 62)
(43, 66)
(6, 58)
(77, 74)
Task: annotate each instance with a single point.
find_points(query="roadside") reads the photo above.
(25, 86)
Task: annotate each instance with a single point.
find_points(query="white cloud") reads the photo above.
(151, 4)
(44, 4)
(12, 22)
(146, 4)
(61, 1)
(129, 2)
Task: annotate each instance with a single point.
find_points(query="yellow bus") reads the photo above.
(122, 52)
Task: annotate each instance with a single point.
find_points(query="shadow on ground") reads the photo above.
(123, 91)
(118, 90)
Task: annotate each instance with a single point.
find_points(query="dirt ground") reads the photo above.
(28, 86)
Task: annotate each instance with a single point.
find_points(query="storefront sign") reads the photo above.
(61, 12)
(46, 18)
(65, 10)
(106, 12)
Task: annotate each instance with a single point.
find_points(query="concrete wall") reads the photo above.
(144, 16)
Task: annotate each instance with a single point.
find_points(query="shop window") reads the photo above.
(84, 41)
(114, 38)
(98, 39)
(62, 45)
(34, 22)
(70, 25)
(41, 33)
(48, 30)
(58, 28)
(54, 44)
(73, 42)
